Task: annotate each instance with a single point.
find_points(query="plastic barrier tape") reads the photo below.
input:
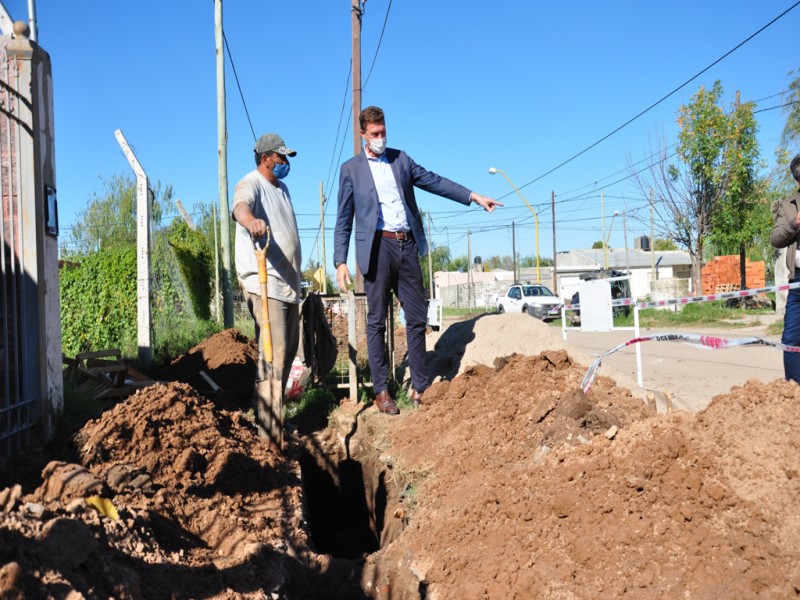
(693, 299)
(706, 341)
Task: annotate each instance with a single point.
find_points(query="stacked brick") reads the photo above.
(724, 271)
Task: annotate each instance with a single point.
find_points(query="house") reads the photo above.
(478, 288)
(673, 269)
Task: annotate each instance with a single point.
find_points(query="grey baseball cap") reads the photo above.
(272, 142)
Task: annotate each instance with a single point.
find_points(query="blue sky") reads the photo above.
(466, 85)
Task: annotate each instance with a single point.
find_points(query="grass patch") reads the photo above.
(177, 337)
(775, 328)
(403, 400)
(715, 313)
(314, 402)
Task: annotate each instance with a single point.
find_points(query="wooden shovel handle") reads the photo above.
(266, 332)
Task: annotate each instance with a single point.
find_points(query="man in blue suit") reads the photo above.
(377, 188)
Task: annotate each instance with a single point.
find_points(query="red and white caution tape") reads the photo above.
(706, 341)
(693, 299)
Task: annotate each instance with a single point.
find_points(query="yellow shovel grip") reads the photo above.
(266, 332)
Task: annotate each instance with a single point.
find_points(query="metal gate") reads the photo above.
(18, 408)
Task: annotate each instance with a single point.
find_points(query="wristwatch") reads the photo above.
(338, 264)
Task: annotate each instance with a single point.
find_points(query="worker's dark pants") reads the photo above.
(394, 267)
(791, 331)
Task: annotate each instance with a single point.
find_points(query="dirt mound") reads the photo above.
(524, 488)
(229, 358)
(480, 341)
(509, 482)
(205, 509)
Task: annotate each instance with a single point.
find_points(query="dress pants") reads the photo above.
(394, 267)
(791, 331)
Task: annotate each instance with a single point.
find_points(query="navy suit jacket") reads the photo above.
(358, 198)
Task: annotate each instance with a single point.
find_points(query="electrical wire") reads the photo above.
(659, 101)
(374, 58)
(239, 85)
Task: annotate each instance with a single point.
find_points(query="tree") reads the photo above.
(737, 220)
(460, 264)
(310, 276)
(664, 245)
(109, 220)
(440, 259)
(598, 245)
(791, 130)
(714, 161)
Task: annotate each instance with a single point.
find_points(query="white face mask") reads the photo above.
(378, 145)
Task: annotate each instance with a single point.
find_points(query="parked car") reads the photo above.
(534, 299)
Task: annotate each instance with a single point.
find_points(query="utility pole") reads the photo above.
(652, 244)
(430, 257)
(625, 231)
(216, 261)
(553, 210)
(742, 257)
(222, 170)
(357, 8)
(469, 269)
(322, 238)
(514, 248)
(603, 222)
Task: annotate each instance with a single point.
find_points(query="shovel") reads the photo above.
(269, 397)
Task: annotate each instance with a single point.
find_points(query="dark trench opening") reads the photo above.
(339, 517)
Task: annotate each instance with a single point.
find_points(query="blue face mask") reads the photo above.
(281, 170)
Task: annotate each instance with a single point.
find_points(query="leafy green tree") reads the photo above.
(737, 220)
(109, 220)
(791, 130)
(664, 245)
(599, 245)
(440, 259)
(460, 264)
(713, 178)
(309, 274)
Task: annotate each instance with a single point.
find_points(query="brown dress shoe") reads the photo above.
(416, 398)
(385, 404)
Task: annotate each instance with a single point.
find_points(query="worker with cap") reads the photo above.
(261, 200)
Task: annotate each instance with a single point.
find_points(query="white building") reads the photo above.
(672, 276)
(670, 265)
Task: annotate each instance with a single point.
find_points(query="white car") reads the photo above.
(535, 299)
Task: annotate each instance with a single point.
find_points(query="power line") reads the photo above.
(374, 58)
(236, 77)
(656, 103)
(339, 126)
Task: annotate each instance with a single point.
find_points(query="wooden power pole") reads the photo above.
(553, 210)
(222, 170)
(358, 12)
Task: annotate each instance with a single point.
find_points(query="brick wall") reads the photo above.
(725, 270)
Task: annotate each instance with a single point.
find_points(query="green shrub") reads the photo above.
(194, 262)
(98, 302)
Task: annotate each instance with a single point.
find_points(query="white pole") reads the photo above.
(32, 19)
(142, 254)
(638, 346)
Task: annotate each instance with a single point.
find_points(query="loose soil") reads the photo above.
(509, 482)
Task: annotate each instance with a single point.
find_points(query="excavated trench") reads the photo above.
(346, 499)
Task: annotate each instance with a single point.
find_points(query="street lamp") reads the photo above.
(608, 237)
(493, 170)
